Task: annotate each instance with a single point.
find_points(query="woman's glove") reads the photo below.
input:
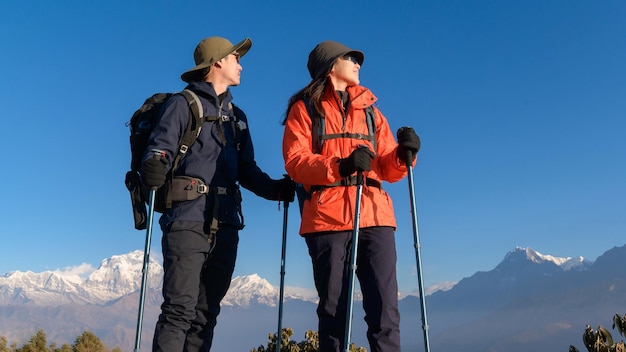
(408, 145)
(359, 160)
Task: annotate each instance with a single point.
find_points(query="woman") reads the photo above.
(325, 161)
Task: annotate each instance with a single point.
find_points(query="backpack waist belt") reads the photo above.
(185, 188)
(348, 181)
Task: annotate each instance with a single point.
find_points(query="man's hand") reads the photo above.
(153, 172)
(286, 189)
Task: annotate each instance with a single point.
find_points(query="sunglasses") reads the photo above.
(237, 56)
(351, 59)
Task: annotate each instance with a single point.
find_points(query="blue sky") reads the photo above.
(519, 104)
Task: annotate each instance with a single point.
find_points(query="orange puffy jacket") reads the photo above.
(333, 208)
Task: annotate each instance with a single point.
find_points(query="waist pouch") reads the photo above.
(184, 188)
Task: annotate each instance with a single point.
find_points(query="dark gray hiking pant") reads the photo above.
(376, 272)
(194, 283)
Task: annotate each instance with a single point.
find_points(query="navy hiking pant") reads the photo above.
(376, 272)
(194, 283)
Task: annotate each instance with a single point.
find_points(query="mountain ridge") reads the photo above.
(120, 275)
(526, 286)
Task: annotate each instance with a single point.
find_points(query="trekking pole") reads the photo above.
(146, 259)
(355, 241)
(144, 270)
(279, 338)
(416, 243)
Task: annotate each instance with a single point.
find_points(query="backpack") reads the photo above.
(318, 127)
(141, 125)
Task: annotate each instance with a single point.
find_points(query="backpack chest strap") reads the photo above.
(359, 136)
(223, 118)
(236, 125)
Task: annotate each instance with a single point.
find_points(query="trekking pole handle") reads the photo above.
(359, 178)
(157, 154)
(359, 174)
(286, 203)
(408, 154)
(409, 158)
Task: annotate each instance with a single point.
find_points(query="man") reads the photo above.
(200, 236)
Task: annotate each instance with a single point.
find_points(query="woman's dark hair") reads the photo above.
(314, 91)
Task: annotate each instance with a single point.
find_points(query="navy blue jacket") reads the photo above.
(208, 158)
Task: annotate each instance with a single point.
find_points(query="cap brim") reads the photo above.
(358, 55)
(242, 47)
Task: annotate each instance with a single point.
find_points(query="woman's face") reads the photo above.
(345, 72)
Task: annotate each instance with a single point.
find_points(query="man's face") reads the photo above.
(231, 69)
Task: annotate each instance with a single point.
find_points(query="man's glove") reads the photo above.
(359, 160)
(408, 144)
(153, 172)
(286, 189)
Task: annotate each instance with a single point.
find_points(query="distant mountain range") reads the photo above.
(528, 302)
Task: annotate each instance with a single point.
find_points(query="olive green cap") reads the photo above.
(212, 49)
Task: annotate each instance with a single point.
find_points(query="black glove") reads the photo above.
(408, 144)
(286, 189)
(153, 172)
(359, 160)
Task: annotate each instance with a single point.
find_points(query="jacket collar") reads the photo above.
(360, 97)
(205, 90)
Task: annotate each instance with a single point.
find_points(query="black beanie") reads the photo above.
(324, 55)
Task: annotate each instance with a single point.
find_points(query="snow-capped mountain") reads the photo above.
(116, 277)
(39, 288)
(245, 290)
(107, 301)
(120, 275)
(566, 264)
(518, 274)
(532, 302)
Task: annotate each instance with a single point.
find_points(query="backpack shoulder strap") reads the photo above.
(194, 125)
(192, 131)
(318, 126)
(236, 111)
(238, 123)
(370, 118)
